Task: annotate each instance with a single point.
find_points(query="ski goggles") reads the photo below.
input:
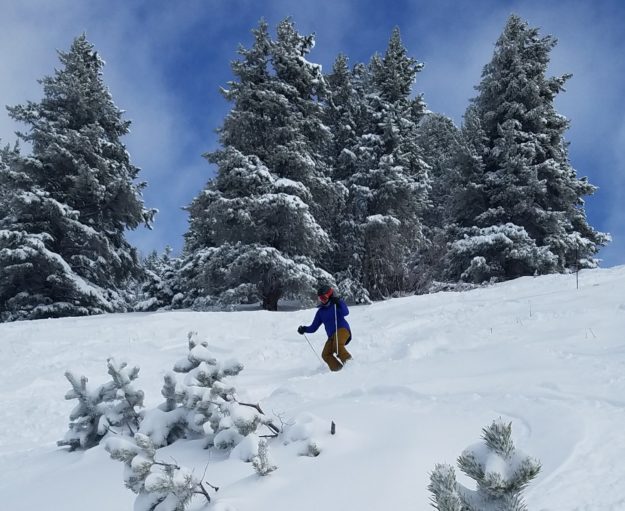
(325, 297)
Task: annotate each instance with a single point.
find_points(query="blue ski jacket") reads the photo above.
(325, 315)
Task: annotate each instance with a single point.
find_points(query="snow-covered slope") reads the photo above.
(428, 374)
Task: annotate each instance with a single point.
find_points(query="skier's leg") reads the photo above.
(328, 355)
(344, 336)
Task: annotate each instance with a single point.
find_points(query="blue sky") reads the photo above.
(167, 59)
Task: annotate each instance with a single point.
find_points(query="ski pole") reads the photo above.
(336, 334)
(311, 347)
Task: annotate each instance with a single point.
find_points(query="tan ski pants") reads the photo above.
(329, 350)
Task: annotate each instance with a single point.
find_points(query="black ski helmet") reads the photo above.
(324, 289)
(324, 293)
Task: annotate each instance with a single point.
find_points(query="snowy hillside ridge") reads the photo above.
(429, 373)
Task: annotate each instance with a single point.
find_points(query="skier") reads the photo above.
(331, 312)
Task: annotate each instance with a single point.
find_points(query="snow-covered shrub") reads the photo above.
(310, 448)
(500, 470)
(108, 407)
(304, 432)
(159, 486)
(202, 405)
(164, 424)
(124, 398)
(85, 427)
(262, 462)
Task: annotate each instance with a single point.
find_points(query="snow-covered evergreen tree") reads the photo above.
(495, 253)
(71, 199)
(35, 280)
(259, 231)
(439, 140)
(160, 287)
(467, 185)
(112, 406)
(124, 398)
(500, 470)
(388, 191)
(203, 405)
(478, 254)
(261, 462)
(86, 428)
(528, 179)
(345, 115)
(159, 485)
(346, 118)
(6, 153)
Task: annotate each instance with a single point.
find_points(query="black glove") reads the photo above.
(301, 330)
(335, 300)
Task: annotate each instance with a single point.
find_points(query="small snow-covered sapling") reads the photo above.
(500, 470)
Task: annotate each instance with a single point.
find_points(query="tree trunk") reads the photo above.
(270, 300)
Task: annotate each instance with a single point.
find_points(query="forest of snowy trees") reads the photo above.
(343, 177)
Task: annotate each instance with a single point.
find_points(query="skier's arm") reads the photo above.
(315, 324)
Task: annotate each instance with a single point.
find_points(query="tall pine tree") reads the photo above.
(534, 219)
(440, 141)
(63, 246)
(388, 191)
(259, 231)
(346, 116)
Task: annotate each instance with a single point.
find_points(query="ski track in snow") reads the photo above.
(429, 372)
